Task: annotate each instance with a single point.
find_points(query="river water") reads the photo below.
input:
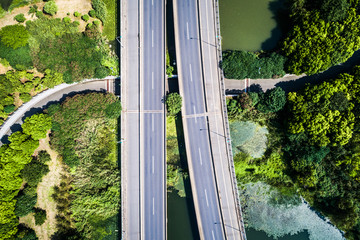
(249, 24)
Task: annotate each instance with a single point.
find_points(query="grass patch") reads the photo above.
(172, 146)
(110, 29)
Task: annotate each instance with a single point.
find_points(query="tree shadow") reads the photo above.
(5, 4)
(332, 72)
(281, 17)
(17, 126)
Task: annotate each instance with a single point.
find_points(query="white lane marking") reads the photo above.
(153, 206)
(153, 164)
(200, 156)
(152, 2)
(207, 201)
(152, 80)
(152, 123)
(195, 114)
(152, 38)
(213, 235)
(187, 30)
(191, 79)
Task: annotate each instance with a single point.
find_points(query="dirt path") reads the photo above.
(44, 192)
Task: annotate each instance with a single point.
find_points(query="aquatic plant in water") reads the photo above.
(266, 209)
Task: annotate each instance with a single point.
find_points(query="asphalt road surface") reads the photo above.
(191, 86)
(130, 120)
(153, 159)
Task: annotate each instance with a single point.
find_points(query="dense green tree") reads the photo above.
(37, 125)
(25, 204)
(52, 78)
(14, 36)
(33, 172)
(40, 216)
(242, 64)
(273, 100)
(313, 45)
(334, 10)
(173, 103)
(25, 233)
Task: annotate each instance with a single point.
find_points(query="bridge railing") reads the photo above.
(225, 115)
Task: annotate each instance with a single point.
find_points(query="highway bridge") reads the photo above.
(205, 123)
(143, 163)
(206, 131)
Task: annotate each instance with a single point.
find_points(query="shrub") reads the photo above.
(113, 110)
(39, 14)
(77, 14)
(50, 8)
(67, 20)
(43, 156)
(85, 17)
(80, 61)
(100, 9)
(173, 103)
(96, 23)
(101, 72)
(76, 23)
(14, 36)
(92, 13)
(40, 216)
(25, 233)
(20, 18)
(25, 205)
(18, 58)
(9, 109)
(25, 97)
(4, 62)
(68, 14)
(89, 26)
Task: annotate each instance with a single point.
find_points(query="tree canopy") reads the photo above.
(14, 36)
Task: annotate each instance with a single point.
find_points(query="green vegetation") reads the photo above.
(20, 18)
(23, 82)
(242, 64)
(173, 103)
(13, 158)
(249, 138)
(312, 146)
(84, 133)
(110, 25)
(25, 233)
(175, 174)
(18, 58)
(85, 17)
(50, 8)
(325, 33)
(33, 172)
(92, 13)
(100, 9)
(14, 36)
(169, 68)
(40, 216)
(77, 14)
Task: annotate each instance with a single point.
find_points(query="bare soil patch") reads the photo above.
(44, 191)
(64, 7)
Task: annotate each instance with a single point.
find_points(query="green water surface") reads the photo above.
(249, 24)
